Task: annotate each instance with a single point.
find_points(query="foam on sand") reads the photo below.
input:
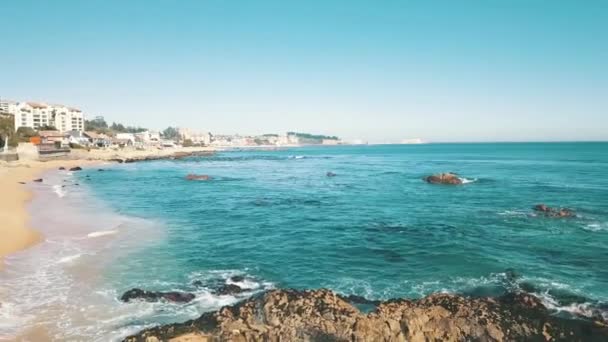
(102, 233)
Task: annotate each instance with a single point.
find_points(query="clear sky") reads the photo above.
(488, 70)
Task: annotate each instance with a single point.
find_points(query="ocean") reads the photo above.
(375, 229)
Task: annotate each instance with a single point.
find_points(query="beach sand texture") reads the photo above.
(15, 233)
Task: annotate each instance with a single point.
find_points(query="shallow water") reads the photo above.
(375, 229)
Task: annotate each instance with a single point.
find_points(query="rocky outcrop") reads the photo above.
(321, 315)
(173, 156)
(444, 178)
(152, 296)
(76, 168)
(198, 177)
(554, 212)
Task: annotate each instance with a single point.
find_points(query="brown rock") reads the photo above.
(554, 212)
(444, 178)
(321, 315)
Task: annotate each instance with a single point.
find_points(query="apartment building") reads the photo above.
(39, 114)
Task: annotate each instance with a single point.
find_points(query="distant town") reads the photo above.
(55, 126)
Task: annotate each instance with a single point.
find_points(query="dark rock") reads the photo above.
(153, 296)
(321, 315)
(444, 178)
(198, 177)
(61, 168)
(330, 174)
(117, 160)
(39, 180)
(354, 299)
(237, 278)
(554, 212)
(228, 289)
(21, 182)
(197, 283)
(76, 168)
(100, 170)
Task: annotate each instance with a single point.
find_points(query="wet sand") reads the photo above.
(14, 228)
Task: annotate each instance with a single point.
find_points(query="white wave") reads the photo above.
(467, 181)
(595, 227)
(102, 233)
(57, 189)
(514, 213)
(297, 157)
(69, 258)
(577, 309)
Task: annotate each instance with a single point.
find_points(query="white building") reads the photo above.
(126, 136)
(195, 136)
(38, 114)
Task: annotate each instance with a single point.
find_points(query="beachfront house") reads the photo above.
(116, 142)
(78, 138)
(126, 136)
(98, 139)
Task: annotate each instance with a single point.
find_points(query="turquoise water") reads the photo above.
(376, 229)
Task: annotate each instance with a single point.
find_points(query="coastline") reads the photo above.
(16, 232)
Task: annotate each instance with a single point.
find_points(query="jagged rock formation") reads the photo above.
(321, 315)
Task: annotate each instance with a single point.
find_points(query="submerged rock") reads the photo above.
(153, 296)
(321, 315)
(198, 177)
(229, 289)
(76, 168)
(444, 178)
(331, 174)
(554, 212)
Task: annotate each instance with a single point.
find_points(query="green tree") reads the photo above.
(7, 130)
(170, 133)
(47, 128)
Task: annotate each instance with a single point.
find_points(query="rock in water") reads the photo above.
(229, 289)
(198, 177)
(554, 212)
(237, 278)
(76, 168)
(61, 168)
(330, 174)
(321, 315)
(444, 178)
(153, 296)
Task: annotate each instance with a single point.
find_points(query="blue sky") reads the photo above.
(377, 70)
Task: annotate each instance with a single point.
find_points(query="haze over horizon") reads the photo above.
(378, 71)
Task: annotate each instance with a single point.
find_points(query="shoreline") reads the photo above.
(16, 232)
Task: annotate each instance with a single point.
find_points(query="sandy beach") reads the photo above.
(15, 231)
